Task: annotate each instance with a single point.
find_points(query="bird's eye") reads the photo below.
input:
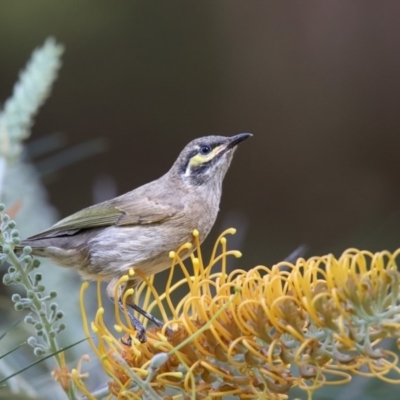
(204, 150)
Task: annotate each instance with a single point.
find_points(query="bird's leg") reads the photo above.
(140, 329)
(133, 284)
(147, 315)
(150, 317)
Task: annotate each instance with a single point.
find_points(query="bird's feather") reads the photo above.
(137, 210)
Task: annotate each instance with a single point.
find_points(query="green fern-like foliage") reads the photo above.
(29, 93)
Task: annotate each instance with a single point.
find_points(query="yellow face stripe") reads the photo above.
(199, 159)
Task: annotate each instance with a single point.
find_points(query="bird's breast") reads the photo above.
(115, 249)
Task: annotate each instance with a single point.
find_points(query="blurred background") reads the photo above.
(316, 82)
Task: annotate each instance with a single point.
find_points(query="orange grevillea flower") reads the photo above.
(254, 333)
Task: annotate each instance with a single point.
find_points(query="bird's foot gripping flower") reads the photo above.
(257, 333)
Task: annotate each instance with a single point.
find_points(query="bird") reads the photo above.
(140, 228)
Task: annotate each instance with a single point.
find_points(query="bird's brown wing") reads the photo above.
(121, 211)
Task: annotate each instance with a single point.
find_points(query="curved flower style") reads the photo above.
(257, 333)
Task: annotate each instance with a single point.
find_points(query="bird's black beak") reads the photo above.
(235, 140)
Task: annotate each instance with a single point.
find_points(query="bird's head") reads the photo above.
(207, 158)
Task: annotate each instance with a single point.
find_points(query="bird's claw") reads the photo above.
(169, 332)
(142, 337)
